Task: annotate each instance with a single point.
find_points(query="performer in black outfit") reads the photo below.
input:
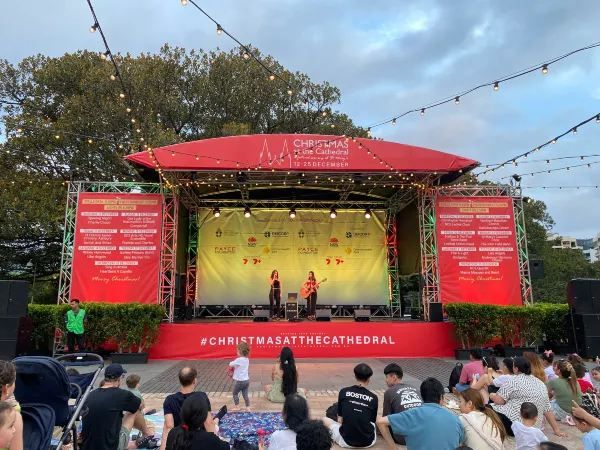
(275, 295)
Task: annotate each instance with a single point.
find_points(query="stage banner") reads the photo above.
(477, 251)
(236, 256)
(116, 254)
(307, 339)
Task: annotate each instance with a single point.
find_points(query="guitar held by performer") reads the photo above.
(309, 292)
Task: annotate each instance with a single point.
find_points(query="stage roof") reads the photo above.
(301, 152)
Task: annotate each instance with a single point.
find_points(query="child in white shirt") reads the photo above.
(241, 379)
(527, 436)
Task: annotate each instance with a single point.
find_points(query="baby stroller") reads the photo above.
(45, 381)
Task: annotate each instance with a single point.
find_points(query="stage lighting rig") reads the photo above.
(292, 213)
(216, 212)
(367, 213)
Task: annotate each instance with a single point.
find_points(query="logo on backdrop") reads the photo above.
(218, 233)
(267, 234)
(334, 242)
(225, 249)
(349, 234)
(301, 234)
(274, 159)
(308, 251)
(251, 241)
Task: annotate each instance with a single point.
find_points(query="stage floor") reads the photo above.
(340, 338)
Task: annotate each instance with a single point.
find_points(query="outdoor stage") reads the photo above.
(339, 339)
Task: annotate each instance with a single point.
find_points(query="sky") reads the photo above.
(388, 57)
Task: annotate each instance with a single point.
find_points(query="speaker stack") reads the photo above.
(584, 302)
(13, 309)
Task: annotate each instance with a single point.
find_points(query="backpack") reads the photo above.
(455, 376)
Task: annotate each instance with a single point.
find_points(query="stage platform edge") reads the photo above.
(188, 341)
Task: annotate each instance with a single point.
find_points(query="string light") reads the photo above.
(457, 100)
(219, 29)
(422, 111)
(93, 28)
(184, 2)
(496, 85)
(545, 69)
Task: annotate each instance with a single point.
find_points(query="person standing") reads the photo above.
(275, 295)
(311, 287)
(241, 378)
(75, 321)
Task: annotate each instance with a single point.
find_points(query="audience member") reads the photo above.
(133, 381)
(284, 376)
(398, 397)
(188, 379)
(357, 412)
(523, 387)
(485, 382)
(105, 425)
(430, 426)
(197, 429)
(563, 390)
(241, 379)
(547, 360)
(596, 377)
(470, 371)
(580, 373)
(537, 369)
(313, 435)
(507, 372)
(591, 438)
(527, 436)
(483, 428)
(8, 416)
(574, 358)
(8, 377)
(295, 413)
(551, 446)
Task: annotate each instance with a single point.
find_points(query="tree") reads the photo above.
(65, 120)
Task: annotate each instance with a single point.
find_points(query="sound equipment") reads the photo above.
(586, 332)
(436, 313)
(362, 314)
(323, 315)
(536, 269)
(13, 309)
(291, 307)
(260, 314)
(305, 293)
(583, 295)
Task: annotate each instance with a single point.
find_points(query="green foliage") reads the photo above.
(477, 324)
(132, 326)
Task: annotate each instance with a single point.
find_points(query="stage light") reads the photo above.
(517, 178)
(332, 213)
(367, 213)
(216, 212)
(247, 212)
(293, 213)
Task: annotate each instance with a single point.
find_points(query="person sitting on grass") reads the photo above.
(284, 376)
(197, 430)
(483, 428)
(8, 377)
(470, 371)
(133, 381)
(527, 436)
(313, 435)
(294, 414)
(8, 416)
(356, 411)
(188, 379)
(430, 426)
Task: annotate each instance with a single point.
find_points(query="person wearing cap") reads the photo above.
(398, 397)
(110, 413)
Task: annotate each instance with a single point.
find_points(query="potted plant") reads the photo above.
(475, 325)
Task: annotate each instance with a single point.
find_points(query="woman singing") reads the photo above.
(275, 294)
(311, 286)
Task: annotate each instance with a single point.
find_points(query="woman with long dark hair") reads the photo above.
(275, 295)
(311, 287)
(295, 413)
(197, 428)
(483, 428)
(284, 376)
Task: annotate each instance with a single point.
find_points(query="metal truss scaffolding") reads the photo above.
(427, 228)
(392, 260)
(192, 253)
(168, 258)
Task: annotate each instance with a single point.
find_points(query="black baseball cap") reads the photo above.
(114, 371)
(393, 368)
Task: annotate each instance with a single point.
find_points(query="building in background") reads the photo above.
(589, 247)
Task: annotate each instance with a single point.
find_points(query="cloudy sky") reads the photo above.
(387, 57)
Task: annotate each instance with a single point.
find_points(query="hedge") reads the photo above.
(131, 326)
(476, 324)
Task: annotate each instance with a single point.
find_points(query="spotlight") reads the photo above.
(367, 213)
(247, 212)
(293, 213)
(332, 213)
(216, 212)
(517, 178)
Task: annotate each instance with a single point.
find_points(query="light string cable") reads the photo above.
(544, 67)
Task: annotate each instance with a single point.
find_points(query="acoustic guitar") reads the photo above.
(305, 292)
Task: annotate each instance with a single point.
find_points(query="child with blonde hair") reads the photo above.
(241, 379)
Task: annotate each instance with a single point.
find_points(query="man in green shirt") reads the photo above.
(75, 320)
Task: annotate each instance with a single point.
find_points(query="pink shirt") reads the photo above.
(469, 370)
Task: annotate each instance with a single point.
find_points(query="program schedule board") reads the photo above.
(477, 251)
(116, 254)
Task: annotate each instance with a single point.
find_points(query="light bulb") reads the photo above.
(367, 213)
(422, 111)
(394, 121)
(93, 28)
(245, 55)
(457, 100)
(247, 212)
(271, 77)
(332, 213)
(545, 69)
(292, 213)
(289, 92)
(219, 29)
(496, 85)
(113, 77)
(184, 2)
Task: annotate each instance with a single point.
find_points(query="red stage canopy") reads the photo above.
(301, 152)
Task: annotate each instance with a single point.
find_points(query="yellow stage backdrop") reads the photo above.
(236, 256)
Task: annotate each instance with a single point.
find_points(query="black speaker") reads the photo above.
(323, 315)
(589, 347)
(362, 314)
(586, 332)
(8, 349)
(9, 327)
(536, 269)
(13, 298)
(583, 295)
(436, 313)
(260, 315)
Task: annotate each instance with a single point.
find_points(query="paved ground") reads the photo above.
(322, 379)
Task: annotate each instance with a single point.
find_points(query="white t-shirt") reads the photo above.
(527, 438)
(500, 380)
(549, 371)
(283, 440)
(240, 368)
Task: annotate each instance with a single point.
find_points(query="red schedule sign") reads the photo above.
(116, 255)
(477, 251)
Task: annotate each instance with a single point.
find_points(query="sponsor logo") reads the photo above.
(334, 242)
(267, 234)
(301, 234)
(218, 233)
(357, 234)
(251, 241)
(348, 250)
(225, 249)
(276, 234)
(308, 251)
(349, 234)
